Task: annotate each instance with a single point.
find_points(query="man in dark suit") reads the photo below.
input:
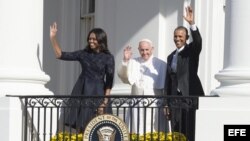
(182, 78)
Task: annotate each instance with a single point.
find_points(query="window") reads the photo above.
(87, 19)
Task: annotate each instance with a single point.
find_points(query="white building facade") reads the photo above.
(28, 65)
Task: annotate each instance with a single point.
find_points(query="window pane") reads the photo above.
(91, 6)
(83, 7)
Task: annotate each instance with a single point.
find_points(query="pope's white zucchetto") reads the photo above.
(146, 40)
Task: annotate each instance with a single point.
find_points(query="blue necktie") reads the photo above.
(174, 62)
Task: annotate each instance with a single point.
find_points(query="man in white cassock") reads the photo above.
(146, 75)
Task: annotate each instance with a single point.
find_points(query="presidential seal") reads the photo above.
(106, 127)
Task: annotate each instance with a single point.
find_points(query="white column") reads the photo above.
(21, 44)
(235, 77)
(232, 107)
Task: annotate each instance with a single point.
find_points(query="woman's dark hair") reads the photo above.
(101, 38)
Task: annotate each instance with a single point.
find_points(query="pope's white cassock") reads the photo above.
(146, 78)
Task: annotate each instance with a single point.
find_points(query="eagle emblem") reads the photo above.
(106, 133)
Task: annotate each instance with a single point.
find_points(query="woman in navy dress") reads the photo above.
(96, 78)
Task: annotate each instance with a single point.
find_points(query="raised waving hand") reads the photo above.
(127, 53)
(55, 44)
(189, 15)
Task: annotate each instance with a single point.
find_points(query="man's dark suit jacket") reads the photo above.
(187, 81)
(186, 78)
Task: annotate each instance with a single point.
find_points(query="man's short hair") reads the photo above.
(183, 28)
